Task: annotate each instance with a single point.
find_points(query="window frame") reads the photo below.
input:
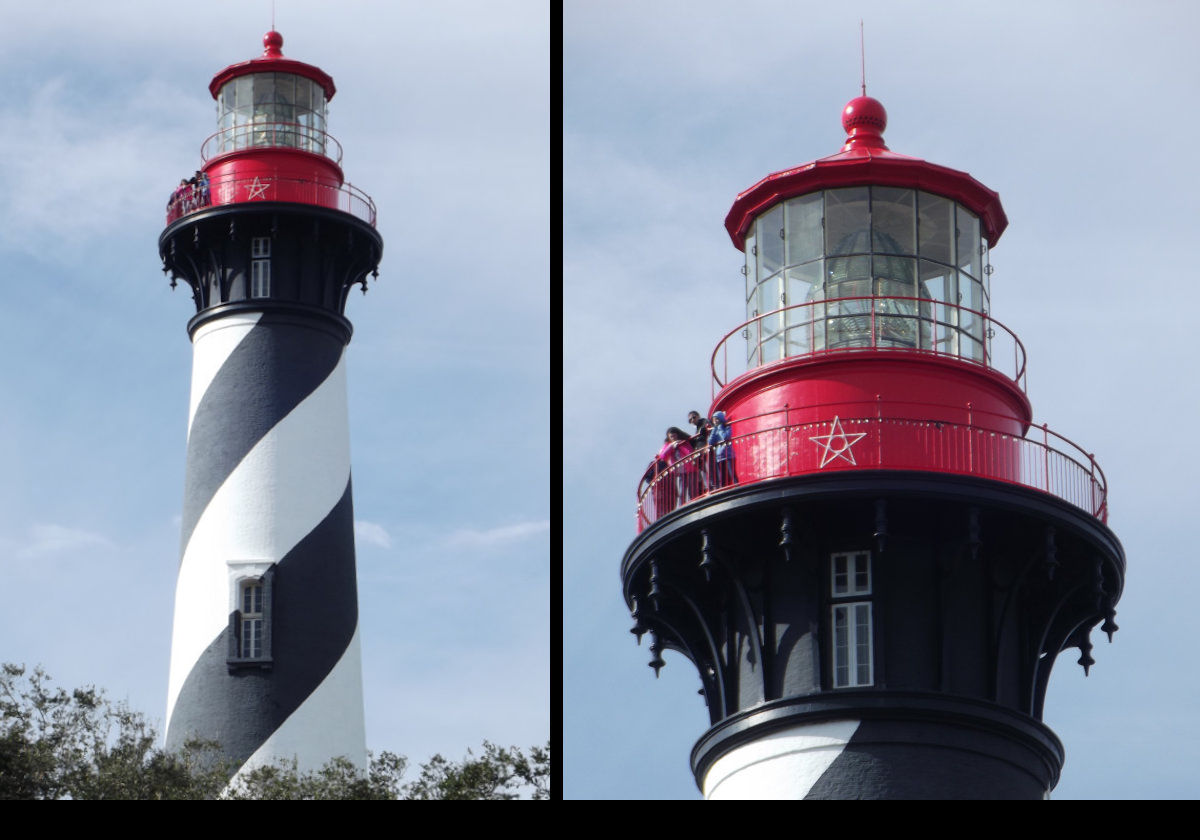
(237, 654)
(260, 267)
(854, 601)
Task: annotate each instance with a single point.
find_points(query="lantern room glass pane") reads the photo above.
(971, 325)
(769, 294)
(938, 284)
(936, 228)
(968, 247)
(770, 242)
(802, 285)
(804, 228)
(771, 322)
(244, 96)
(303, 97)
(893, 221)
(898, 315)
(847, 221)
(848, 322)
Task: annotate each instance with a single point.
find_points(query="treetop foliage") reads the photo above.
(59, 744)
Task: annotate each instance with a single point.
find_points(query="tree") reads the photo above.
(56, 744)
(497, 774)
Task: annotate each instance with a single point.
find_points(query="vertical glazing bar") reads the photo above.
(874, 339)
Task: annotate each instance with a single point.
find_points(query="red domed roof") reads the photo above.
(866, 160)
(272, 61)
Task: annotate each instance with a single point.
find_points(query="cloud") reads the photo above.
(370, 532)
(56, 539)
(492, 537)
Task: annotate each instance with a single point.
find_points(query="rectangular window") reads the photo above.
(851, 621)
(260, 267)
(250, 624)
(851, 574)
(260, 278)
(252, 620)
(852, 648)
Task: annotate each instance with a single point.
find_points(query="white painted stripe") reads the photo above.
(328, 721)
(212, 344)
(284, 487)
(783, 765)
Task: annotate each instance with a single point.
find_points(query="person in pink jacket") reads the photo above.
(676, 453)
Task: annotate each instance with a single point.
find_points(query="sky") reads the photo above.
(1081, 115)
(442, 110)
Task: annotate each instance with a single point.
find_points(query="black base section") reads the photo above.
(314, 616)
(315, 254)
(975, 587)
(908, 746)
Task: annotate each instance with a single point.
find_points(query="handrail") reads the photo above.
(890, 443)
(881, 334)
(233, 189)
(271, 135)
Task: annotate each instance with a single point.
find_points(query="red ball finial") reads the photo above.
(273, 44)
(864, 120)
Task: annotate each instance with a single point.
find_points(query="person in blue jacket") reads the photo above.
(720, 444)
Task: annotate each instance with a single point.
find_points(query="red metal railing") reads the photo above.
(235, 190)
(272, 135)
(903, 324)
(1061, 469)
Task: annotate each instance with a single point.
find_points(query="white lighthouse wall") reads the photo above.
(782, 765)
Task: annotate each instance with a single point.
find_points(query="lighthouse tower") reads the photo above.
(270, 239)
(875, 587)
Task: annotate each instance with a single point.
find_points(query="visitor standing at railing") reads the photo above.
(677, 453)
(699, 443)
(203, 197)
(179, 196)
(721, 450)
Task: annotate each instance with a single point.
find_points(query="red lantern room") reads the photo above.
(868, 318)
(271, 143)
(876, 556)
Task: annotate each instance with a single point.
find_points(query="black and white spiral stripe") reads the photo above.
(268, 486)
(896, 758)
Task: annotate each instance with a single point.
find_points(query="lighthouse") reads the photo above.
(878, 558)
(270, 239)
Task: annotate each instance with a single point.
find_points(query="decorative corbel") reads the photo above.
(655, 591)
(881, 524)
(706, 556)
(1085, 651)
(638, 628)
(974, 540)
(656, 661)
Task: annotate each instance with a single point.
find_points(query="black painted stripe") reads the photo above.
(275, 366)
(314, 616)
(899, 759)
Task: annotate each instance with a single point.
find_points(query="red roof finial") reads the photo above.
(864, 120)
(272, 45)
